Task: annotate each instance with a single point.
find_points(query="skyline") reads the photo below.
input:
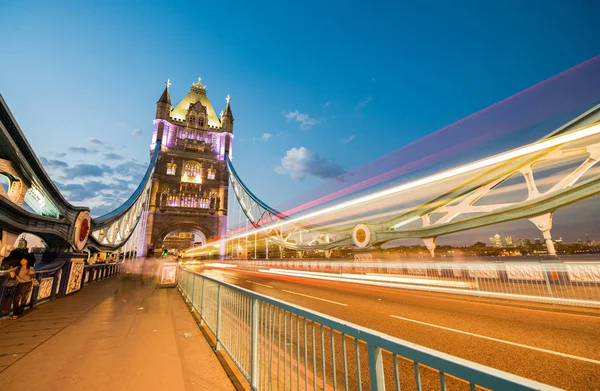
(312, 123)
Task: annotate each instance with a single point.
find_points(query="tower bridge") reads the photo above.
(186, 188)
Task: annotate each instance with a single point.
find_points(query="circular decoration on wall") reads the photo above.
(361, 235)
(82, 230)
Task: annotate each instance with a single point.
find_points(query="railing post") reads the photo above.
(254, 346)
(202, 302)
(476, 281)
(218, 336)
(545, 272)
(193, 290)
(376, 368)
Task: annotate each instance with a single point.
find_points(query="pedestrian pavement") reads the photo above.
(116, 334)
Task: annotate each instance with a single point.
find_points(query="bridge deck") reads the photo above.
(117, 334)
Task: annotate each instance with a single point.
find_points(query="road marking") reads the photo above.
(252, 282)
(502, 341)
(313, 297)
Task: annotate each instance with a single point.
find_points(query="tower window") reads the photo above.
(192, 119)
(171, 168)
(211, 173)
(201, 121)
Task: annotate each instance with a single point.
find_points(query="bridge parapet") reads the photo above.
(65, 275)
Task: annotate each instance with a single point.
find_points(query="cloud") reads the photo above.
(97, 192)
(61, 154)
(266, 136)
(131, 169)
(95, 141)
(348, 139)
(301, 162)
(364, 102)
(50, 163)
(136, 132)
(306, 121)
(83, 150)
(87, 170)
(327, 104)
(113, 156)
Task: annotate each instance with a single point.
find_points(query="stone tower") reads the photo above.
(190, 182)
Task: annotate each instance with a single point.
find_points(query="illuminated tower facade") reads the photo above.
(190, 182)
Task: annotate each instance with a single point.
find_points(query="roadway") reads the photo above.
(560, 348)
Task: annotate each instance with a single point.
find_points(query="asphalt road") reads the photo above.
(557, 348)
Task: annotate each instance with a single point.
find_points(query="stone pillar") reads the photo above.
(223, 194)
(7, 241)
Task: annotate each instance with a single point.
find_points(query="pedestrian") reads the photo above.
(24, 274)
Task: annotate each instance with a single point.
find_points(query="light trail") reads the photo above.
(430, 287)
(350, 277)
(516, 153)
(221, 265)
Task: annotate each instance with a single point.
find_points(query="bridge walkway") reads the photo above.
(116, 334)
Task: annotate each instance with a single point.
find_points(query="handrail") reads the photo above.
(252, 319)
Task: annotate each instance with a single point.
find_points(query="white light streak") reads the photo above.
(519, 152)
(221, 265)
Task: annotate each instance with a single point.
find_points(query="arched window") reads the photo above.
(192, 172)
(201, 121)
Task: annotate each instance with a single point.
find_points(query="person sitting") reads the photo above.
(24, 275)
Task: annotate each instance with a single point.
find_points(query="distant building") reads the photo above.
(496, 241)
(509, 241)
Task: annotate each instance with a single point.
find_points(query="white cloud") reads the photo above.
(301, 162)
(137, 132)
(327, 104)
(306, 121)
(266, 136)
(348, 139)
(96, 141)
(364, 102)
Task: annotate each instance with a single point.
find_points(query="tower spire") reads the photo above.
(166, 96)
(163, 106)
(227, 111)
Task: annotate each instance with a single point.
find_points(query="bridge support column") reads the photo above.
(544, 224)
(430, 244)
(7, 241)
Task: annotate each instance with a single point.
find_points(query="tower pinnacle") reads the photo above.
(227, 116)
(163, 106)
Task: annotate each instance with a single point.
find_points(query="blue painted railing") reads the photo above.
(276, 345)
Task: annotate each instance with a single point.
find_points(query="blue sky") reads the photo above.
(337, 84)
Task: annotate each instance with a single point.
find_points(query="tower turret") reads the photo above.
(163, 106)
(227, 117)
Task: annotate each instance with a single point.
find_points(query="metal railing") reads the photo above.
(566, 283)
(277, 345)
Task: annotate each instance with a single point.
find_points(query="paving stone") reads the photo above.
(103, 324)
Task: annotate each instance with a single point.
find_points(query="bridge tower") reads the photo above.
(190, 183)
